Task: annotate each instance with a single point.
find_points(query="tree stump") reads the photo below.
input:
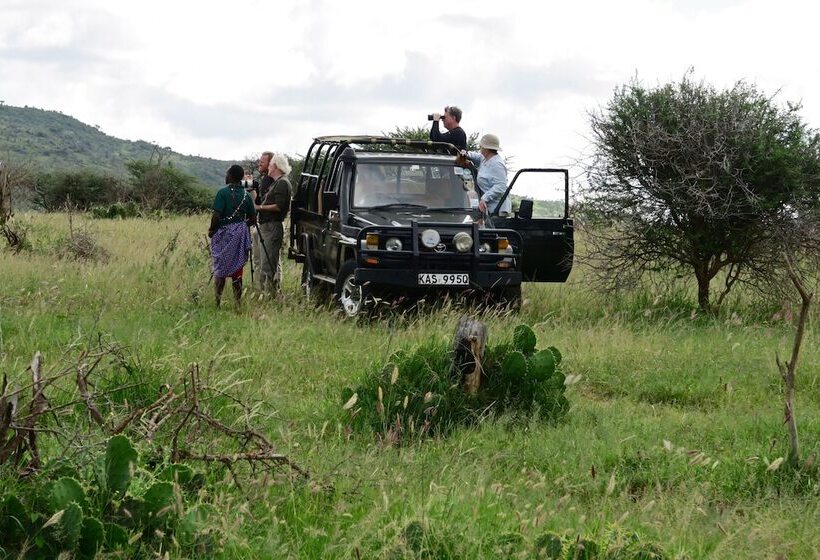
(468, 352)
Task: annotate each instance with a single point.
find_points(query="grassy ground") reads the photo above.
(672, 426)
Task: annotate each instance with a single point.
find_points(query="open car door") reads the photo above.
(540, 201)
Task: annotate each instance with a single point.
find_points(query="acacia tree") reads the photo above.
(692, 180)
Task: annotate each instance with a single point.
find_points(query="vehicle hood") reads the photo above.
(403, 217)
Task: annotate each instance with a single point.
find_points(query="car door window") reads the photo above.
(546, 190)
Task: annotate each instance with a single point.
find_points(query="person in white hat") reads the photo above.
(492, 175)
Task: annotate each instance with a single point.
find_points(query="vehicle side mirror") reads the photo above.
(525, 210)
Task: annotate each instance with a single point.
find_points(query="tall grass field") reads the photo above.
(672, 438)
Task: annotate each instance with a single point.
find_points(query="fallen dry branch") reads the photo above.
(180, 419)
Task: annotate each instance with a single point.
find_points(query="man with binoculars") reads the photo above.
(455, 135)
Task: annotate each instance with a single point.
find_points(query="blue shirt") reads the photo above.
(492, 181)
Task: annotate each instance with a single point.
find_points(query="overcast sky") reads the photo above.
(232, 78)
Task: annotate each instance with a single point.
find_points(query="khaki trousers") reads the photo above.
(270, 269)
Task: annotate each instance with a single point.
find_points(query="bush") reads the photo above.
(164, 187)
(80, 245)
(80, 189)
(117, 210)
(419, 394)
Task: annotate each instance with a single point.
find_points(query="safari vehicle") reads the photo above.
(374, 217)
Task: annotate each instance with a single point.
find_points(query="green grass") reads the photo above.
(652, 372)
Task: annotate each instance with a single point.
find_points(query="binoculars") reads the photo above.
(430, 117)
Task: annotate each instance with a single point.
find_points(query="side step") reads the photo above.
(325, 278)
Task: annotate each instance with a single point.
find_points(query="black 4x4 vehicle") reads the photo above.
(373, 216)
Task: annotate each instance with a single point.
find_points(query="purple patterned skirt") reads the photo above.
(229, 249)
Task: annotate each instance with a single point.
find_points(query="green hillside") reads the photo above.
(55, 141)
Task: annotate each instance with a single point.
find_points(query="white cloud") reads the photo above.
(226, 79)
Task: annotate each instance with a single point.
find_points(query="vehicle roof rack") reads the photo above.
(386, 143)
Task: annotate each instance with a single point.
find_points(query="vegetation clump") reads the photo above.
(115, 504)
(419, 393)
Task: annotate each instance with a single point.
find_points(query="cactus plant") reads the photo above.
(556, 354)
(514, 367)
(542, 365)
(120, 461)
(13, 518)
(181, 474)
(159, 500)
(115, 536)
(65, 491)
(584, 549)
(92, 536)
(548, 546)
(66, 531)
(524, 339)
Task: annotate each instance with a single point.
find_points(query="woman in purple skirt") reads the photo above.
(233, 213)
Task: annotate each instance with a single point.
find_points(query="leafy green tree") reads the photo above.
(689, 179)
(81, 189)
(162, 186)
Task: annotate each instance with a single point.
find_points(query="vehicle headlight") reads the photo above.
(462, 242)
(485, 248)
(372, 241)
(430, 238)
(393, 244)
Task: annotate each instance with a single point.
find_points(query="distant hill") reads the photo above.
(55, 141)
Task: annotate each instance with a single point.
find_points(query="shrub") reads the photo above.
(419, 393)
(81, 189)
(159, 186)
(117, 210)
(80, 245)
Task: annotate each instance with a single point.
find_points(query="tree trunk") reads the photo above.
(468, 352)
(789, 369)
(703, 289)
(5, 195)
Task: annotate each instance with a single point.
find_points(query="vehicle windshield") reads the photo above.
(429, 186)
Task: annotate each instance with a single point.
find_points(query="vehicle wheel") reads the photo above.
(351, 297)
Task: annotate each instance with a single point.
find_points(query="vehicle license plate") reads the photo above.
(427, 279)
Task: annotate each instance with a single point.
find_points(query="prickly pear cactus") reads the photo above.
(514, 367)
(181, 474)
(65, 491)
(524, 339)
(13, 518)
(555, 354)
(67, 530)
(584, 549)
(120, 462)
(542, 365)
(92, 537)
(159, 500)
(548, 546)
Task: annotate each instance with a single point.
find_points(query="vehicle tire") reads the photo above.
(351, 297)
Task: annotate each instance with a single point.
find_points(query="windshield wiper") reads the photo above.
(452, 208)
(396, 205)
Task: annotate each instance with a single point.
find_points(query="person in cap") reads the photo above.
(455, 135)
(233, 212)
(258, 192)
(273, 209)
(492, 175)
